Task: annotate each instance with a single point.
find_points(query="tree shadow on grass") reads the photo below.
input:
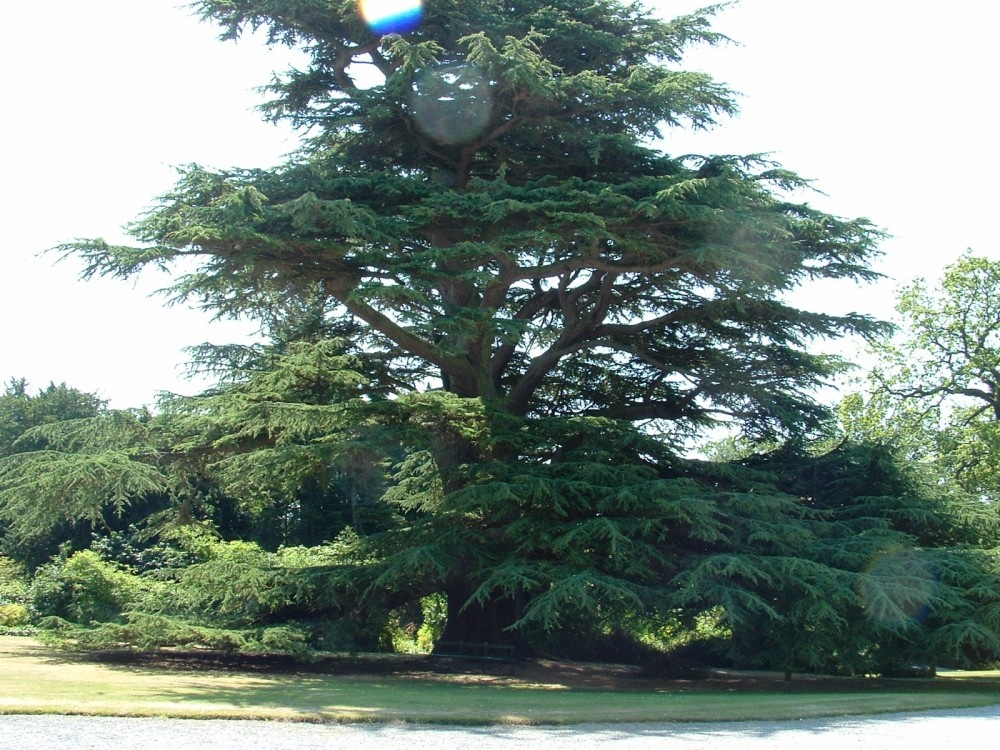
(388, 687)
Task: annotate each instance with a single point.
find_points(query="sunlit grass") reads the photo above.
(978, 674)
(34, 679)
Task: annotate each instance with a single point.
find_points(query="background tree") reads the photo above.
(910, 563)
(937, 384)
(933, 402)
(21, 412)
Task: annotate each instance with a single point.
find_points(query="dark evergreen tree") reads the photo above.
(20, 413)
(480, 204)
(900, 570)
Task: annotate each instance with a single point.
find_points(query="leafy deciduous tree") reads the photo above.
(937, 384)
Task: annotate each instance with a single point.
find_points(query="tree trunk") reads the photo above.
(471, 621)
(482, 623)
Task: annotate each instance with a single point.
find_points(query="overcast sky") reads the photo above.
(887, 105)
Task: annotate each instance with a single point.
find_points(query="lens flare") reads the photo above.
(391, 16)
(452, 103)
(898, 587)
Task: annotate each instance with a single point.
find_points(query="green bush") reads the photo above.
(83, 589)
(13, 616)
(14, 613)
(13, 587)
(410, 632)
(235, 597)
(131, 549)
(285, 639)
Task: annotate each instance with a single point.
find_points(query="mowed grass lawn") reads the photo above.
(36, 679)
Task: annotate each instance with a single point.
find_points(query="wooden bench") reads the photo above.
(482, 654)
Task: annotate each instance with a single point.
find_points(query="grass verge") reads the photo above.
(35, 679)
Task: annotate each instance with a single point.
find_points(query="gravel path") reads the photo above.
(969, 729)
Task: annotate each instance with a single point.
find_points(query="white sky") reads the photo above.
(887, 105)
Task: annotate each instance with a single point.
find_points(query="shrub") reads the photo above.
(13, 587)
(130, 548)
(409, 631)
(14, 613)
(83, 589)
(13, 616)
(285, 639)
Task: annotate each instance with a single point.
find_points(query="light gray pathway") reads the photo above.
(971, 729)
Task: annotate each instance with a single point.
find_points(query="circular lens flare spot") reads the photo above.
(898, 587)
(391, 16)
(452, 103)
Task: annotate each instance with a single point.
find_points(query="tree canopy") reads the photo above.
(550, 261)
(23, 415)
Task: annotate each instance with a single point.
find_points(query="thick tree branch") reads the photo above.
(403, 338)
(543, 300)
(519, 398)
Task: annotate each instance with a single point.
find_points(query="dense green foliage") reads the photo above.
(37, 529)
(925, 558)
(20, 411)
(14, 613)
(494, 314)
(83, 588)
